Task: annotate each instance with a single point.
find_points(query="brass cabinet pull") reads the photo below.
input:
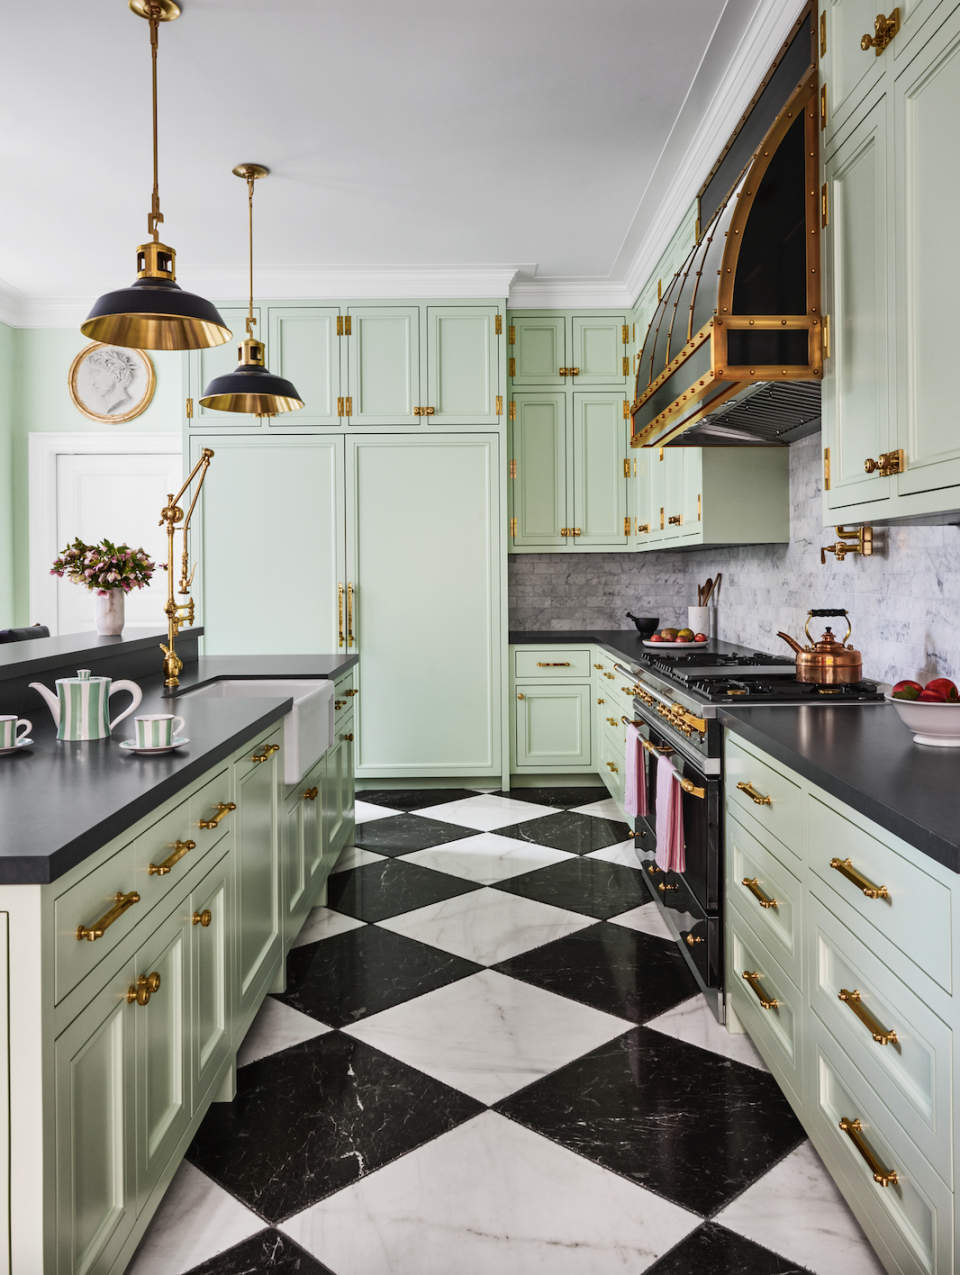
(520, 695)
(846, 869)
(557, 664)
(664, 886)
(758, 894)
(675, 520)
(601, 701)
(693, 939)
(339, 703)
(147, 984)
(121, 903)
(854, 1131)
(203, 918)
(180, 848)
(873, 1027)
(612, 766)
(612, 721)
(884, 29)
(598, 666)
(349, 738)
(268, 750)
(753, 978)
(887, 464)
(350, 694)
(310, 794)
(349, 614)
(610, 675)
(223, 808)
(754, 796)
(575, 531)
(643, 528)
(340, 612)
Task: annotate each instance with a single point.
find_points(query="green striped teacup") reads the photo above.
(157, 730)
(8, 729)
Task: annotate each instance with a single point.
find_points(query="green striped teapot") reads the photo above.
(81, 706)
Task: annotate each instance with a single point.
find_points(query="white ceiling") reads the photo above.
(415, 148)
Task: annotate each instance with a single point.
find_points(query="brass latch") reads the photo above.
(860, 540)
(421, 411)
(889, 463)
(569, 371)
(343, 325)
(884, 31)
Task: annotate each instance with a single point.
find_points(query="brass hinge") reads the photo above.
(626, 410)
(823, 107)
(634, 466)
(884, 31)
(826, 469)
(626, 333)
(626, 526)
(661, 517)
(513, 528)
(699, 507)
(339, 325)
(626, 365)
(513, 367)
(189, 409)
(513, 469)
(661, 457)
(823, 33)
(825, 336)
(659, 289)
(824, 206)
(626, 469)
(339, 406)
(498, 325)
(634, 332)
(511, 334)
(348, 326)
(499, 404)
(513, 410)
(348, 403)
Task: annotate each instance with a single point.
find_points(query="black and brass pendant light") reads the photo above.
(154, 313)
(251, 388)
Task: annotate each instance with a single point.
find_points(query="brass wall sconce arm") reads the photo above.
(859, 540)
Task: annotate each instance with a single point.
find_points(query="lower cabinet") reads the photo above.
(259, 880)
(552, 727)
(338, 806)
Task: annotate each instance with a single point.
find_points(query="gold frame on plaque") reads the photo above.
(120, 417)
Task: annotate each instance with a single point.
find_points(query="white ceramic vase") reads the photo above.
(108, 612)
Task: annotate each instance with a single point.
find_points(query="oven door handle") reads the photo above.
(686, 784)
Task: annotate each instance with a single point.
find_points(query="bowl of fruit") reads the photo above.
(674, 637)
(932, 712)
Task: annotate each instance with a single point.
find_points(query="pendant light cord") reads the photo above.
(250, 319)
(156, 216)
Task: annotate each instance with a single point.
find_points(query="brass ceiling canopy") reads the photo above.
(154, 313)
(251, 388)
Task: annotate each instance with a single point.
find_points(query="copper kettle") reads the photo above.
(828, 662)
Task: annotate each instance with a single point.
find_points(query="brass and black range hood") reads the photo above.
(734, 354)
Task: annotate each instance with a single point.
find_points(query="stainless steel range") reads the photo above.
(677, 694)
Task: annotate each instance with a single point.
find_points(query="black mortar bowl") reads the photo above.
(645, 625)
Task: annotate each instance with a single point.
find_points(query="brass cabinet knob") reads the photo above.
(612, 766)
(349, 738)
(599, 701)
(310, 794)
(351, 693)
(147, 984)
(888, 464)
(203, 918)
(884, 29)
(520, 696)
(598, 666)
(675, 520)
(612, 721)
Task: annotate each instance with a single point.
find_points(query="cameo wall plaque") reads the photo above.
(111, 383)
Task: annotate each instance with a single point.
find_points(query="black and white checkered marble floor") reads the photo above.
(490, 1059)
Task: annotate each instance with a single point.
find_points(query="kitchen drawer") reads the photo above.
(207, 805)
(914, 913)
(910, 1222)
(777, 805)
(344, 694)
(551, 662)
(776, 1030)
(611, 764)
(246, 759)
(167, 851)
(912, 1074)
(778, 924)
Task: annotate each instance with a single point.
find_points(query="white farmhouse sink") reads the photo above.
(307, 728)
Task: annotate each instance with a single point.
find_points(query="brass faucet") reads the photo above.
(180, 613)
(860, 540)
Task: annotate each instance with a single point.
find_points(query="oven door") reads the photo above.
(701, 823)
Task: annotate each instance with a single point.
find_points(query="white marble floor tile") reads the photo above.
(486, 812)
(491, 1196)
(364, 811)
(354, 857)
(196, 1220)
(487, 857)
(487, 925)
(277, 1027)
(647, 918)
(488, 1035)
(324, 923)
(693, 1021)
(797, 1211)
(622, 853)
(606, 809)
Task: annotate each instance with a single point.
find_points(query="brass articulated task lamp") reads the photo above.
(172, 515)
(154, 313)
(251, 388)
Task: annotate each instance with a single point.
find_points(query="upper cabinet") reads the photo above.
(891, 448)
(462, 374)
(305, 348)
(573, 350)
(383, 365)
(204, 365)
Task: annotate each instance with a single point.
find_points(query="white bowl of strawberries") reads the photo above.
(931, 711)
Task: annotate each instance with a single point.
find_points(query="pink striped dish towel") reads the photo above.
(670, 846)
(635, 797)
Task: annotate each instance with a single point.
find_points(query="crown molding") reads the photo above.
(568, 293)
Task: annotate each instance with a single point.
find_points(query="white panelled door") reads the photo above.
(119, 496)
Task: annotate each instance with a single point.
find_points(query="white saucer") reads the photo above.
(21, 743)
(131, 746)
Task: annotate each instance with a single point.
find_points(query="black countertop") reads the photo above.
(626, 644)
(59, 802)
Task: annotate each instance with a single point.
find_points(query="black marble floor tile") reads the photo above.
(611, 968)
(559, 798)
(315, 1118)
(589, 886)
(268, 1250)
(568, 830)
(713, 1250)
(685, 1123)
(415, 798)
(402, 834)
(377, 891)
(353, 975)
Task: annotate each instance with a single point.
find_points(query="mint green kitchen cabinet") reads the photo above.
(538, 350)
(211, 959)
(647, 495)
(599, 350)
(257, 850)
(383, 361)
(539, 482)
(276, 505)
(305, 348)
(463, 366)
(204, 365)
(303, 835)
(599, 456)
(568, 349)
(551, 726)
(338, 807)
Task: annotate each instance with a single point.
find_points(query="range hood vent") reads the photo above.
(734, 353)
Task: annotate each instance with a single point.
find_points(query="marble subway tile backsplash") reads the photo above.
(904, 602)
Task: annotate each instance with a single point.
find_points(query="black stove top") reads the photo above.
(781, 689)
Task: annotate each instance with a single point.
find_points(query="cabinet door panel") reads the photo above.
(539, 350)
(218, 361)
(338, 807)
(278, 502)
(384, 365)
(692, 491)
(552, 726)
(856, 386)
(672, 466)
(294, 874)
(599, 485)
(646, 515)
(599, 349)
(258, 879)
(849, 71)
(211, 953)
(540, 451)
(313, 831)
(927, 107)
(305, 348)
(462, 365)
